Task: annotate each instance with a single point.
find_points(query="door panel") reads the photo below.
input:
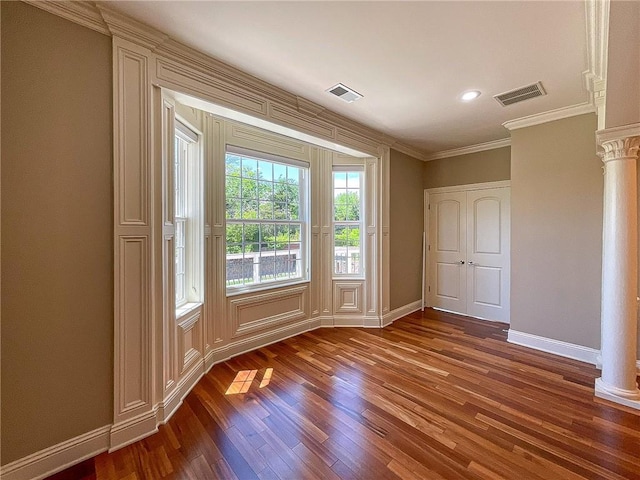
(488, 259)
(447, 229)
(472, 227)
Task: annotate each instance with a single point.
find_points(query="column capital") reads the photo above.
(619, 142)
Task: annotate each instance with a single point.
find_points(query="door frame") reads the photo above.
(453, 188)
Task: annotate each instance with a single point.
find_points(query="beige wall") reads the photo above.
(623, 65)
(406, 214)
(57, 294)
(556, 231)
(480, 167)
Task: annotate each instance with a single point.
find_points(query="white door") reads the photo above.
(447, 251)
(488, 279)
(469, 252)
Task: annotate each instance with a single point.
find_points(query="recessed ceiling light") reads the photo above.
(470, 95)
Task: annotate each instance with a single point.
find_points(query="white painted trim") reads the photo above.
(597, 17)
(550, 116)
(133, 429)
(622, 397)
(234, 349)
(411, 151)
(480, 147)
(557, 347)
(58, 457)
(400, 312)
(468, 187)
(617, 133)
(348, 321)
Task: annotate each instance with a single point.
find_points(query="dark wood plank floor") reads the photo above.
(434, 396)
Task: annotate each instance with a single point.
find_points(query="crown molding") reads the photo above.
(550, 116)
(98, 16)
(409, 150)
(82, 13)
(124, 27)
(480, 147)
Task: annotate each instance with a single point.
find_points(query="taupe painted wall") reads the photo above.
(406, 207)
(480, 167)
(556, 231)
(623, 64)
(57, 260)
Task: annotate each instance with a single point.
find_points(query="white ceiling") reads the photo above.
(410, 60)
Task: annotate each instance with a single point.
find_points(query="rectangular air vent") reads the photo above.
(520, 94)
(345, 93)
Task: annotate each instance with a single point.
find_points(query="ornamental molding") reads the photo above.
(597, 18)
(99, 17)
(480, 147)
(550, 116)
(619, 143)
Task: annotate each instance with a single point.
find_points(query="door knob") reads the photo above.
(461, 262)
(471, 263)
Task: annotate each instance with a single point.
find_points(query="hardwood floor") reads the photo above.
(433, 396)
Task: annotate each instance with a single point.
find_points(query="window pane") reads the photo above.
(279, 172)
(280, 211)
(294, 211)
(265, 190)
(251, 234)
(233, 207)
(353, 238)
(265, 170)
(267, 236)
(293, 175)
(250, 209)
(234, 238)
(232, 165)
(293, 193)
(232, 187)
(249, 167)
(353, 180)
(249, 189)
(266, 210)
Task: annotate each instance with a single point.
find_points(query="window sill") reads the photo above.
(349, 278)
(186, 309)
(272, 286)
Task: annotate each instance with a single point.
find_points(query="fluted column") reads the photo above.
(619, 266)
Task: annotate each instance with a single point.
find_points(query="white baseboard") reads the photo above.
(400, 312)
(133, 429)
(239, 347)
(55, 459)
(557, 347)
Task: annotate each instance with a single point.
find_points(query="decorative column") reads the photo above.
(619, 266)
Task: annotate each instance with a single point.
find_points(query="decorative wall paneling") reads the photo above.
(160, 357)
(134, 416)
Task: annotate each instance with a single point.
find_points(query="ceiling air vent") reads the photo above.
(520, 94)
(345, 93)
